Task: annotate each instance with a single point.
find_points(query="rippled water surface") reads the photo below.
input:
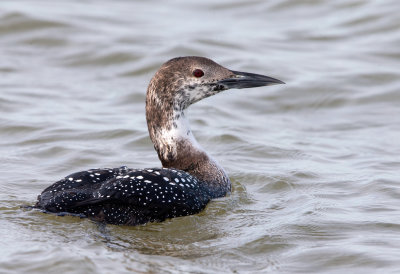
(315, 163)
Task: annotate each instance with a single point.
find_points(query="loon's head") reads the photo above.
(183, 81)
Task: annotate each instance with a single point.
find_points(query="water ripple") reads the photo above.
(314, 163)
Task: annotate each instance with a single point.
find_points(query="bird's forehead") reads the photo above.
(191, 62)
(183, 67)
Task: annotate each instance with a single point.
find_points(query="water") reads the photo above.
(314, 163)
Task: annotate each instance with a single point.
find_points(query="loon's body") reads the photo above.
(189, 179)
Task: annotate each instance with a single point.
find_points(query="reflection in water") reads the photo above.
(314, 163)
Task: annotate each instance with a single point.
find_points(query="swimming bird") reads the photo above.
(189, 177)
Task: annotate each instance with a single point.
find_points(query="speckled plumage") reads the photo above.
(126, 196)
(189, 179)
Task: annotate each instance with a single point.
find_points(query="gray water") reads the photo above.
(314, 163)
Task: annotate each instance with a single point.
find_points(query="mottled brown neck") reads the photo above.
(173, 140)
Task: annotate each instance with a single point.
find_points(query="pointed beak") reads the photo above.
(248, 80)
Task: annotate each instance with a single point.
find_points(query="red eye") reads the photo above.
(198, 73)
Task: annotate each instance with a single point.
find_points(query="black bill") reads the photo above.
(248, 80)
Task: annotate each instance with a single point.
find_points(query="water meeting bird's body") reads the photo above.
(189, 178)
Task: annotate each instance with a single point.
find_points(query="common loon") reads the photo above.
(189, 178)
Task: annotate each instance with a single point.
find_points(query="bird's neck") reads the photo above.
(172, 137)
(177, 147)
